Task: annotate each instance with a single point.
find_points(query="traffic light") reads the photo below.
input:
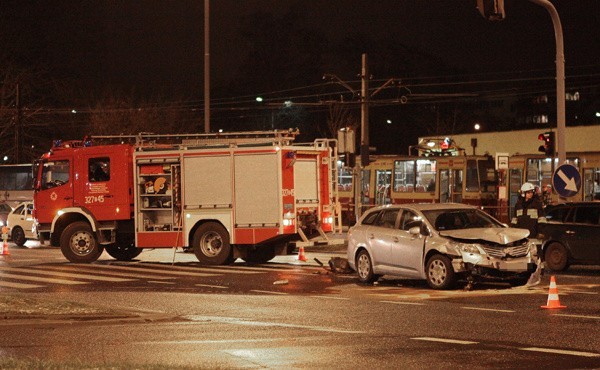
(548, 147)
(492, 10)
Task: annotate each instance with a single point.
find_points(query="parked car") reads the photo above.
(571, 235)
(21, 224)
(438, 242)
(5, 209)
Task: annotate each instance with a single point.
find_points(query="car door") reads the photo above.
(585, 230)
(380, 236)
(407, 249)
(25, 219)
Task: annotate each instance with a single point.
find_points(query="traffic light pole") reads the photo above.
(560, 80)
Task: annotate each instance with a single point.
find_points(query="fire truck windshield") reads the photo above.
(55, 174)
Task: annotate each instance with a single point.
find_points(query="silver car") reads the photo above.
(438, 242)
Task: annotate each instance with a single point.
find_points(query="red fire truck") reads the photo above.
(225, 196)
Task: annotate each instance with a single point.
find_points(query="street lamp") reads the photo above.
(477, 126)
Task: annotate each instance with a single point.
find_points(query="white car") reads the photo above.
(438, 242)
(21, 224)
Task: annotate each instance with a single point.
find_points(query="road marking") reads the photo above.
(237, 321)
(268, 292)
(161, 282)
(190, 268)
(212, 286)
(577, 316)
(113, 273)
(486, 309)
(406, 303)
(581, 292)
(443, 340)
(142, 269)
(9, 284)
(40, 279)
(561, 352)
(66, 274)
(328, 297)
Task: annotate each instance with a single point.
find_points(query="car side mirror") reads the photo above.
(415, 231)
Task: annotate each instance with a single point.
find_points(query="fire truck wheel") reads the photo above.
(261, 255)
(18, 236)
(211, 244)
(123, 251)
(78, 243)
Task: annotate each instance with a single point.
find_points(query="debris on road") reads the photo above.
(339, 265)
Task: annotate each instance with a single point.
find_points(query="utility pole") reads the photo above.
(206, 66)
(18, 126)
(365, 100)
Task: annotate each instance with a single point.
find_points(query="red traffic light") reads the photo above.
(548, 147)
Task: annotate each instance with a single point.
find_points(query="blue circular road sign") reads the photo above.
(566, 180)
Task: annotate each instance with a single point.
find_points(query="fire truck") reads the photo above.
(249, 195)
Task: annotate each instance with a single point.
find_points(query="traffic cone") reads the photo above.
(301, 256)
(5, 251)
(4, 241)
(553, 301)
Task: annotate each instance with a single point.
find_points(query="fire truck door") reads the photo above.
(55, 190)
(97, 185)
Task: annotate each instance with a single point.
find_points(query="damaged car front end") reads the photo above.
(491, 253)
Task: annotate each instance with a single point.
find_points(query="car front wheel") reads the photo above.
(364, 268)
(440, 274)
(556, 257)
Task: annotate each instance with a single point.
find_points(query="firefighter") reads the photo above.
(529, 211)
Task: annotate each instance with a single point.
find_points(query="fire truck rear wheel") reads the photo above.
(211, 244)
(78, 243)
(124, 251)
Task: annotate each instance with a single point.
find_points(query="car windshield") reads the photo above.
(456, 219)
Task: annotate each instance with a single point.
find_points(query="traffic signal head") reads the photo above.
(548, 147)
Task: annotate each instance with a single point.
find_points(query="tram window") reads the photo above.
(344, 179)
(404, 176)
(426, 175)
(472, 176)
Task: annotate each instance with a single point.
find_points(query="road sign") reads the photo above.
(566, 180)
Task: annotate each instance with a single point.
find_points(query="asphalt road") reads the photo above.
(285, 314)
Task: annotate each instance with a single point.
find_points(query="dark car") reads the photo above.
(571, 235)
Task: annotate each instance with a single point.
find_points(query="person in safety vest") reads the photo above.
(529, 211)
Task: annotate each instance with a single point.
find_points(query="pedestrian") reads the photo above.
(528, 212)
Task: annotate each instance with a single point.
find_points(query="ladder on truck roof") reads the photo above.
(149, 141)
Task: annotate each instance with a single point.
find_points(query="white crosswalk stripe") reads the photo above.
(221, 270)
(153, 271)
(93, 269)
(10, 284)
(40, 279)
(65, 274)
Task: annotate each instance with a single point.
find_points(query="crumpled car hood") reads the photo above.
(491, 234)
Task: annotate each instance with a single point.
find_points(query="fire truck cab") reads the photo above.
(225, 196)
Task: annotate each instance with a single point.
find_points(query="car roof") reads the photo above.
(426, 206)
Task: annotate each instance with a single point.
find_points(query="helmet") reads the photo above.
(527, 187)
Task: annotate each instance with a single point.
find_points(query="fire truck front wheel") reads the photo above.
(211, 244)
(78, 243)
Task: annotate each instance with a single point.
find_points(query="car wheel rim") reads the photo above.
(364, 266)
(81, 243)
(437, 272)
(211, 244)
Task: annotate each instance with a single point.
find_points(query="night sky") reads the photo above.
(154, 49)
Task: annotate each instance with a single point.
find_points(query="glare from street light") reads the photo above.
(259, 99)
(477, 126)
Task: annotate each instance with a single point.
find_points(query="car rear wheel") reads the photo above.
(123, 250)
(440, 274)
(556, 257)
(364, 268)
(18, 236)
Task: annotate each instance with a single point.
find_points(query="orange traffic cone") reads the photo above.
(4, 242)
(301, 256)
(553, 301)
